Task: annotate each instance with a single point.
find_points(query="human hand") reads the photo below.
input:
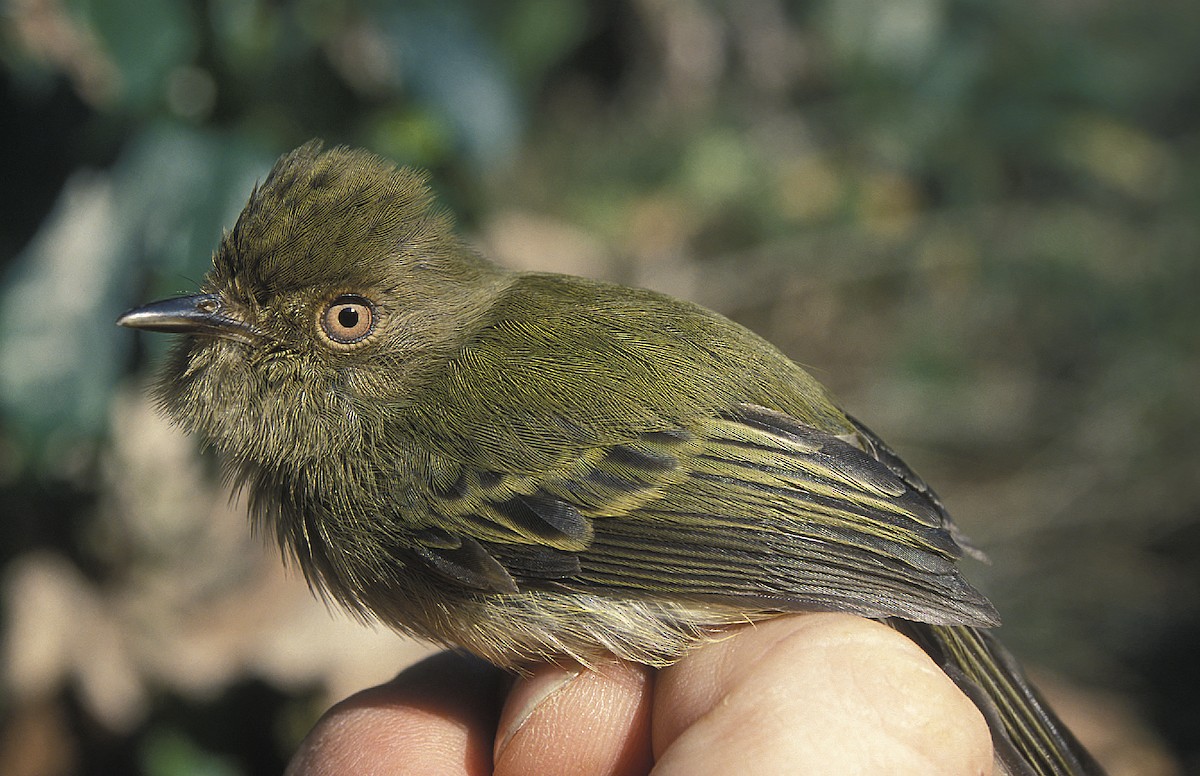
(807, 693)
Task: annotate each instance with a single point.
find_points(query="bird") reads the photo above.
(537, 467)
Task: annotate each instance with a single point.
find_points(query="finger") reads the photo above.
(815, 693)
(577, 721)
(436, 717)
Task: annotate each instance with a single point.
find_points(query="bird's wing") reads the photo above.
(748, 504)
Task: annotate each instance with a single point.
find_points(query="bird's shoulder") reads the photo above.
(559, 365)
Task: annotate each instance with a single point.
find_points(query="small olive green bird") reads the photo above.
(536, 466)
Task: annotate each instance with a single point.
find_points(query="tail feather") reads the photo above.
(1029, 738)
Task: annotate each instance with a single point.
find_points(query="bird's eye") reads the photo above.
(348, 319)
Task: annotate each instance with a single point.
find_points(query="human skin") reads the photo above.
(808, 693)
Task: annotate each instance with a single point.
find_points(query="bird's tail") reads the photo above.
(1028, 738)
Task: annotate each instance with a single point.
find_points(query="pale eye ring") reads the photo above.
(348, 319)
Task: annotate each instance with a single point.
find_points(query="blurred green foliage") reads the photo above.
(977, 220)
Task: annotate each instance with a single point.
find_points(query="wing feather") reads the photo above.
(749, 504)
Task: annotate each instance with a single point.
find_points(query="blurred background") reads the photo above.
(975, 220)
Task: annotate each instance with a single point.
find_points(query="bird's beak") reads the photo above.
(199, 314)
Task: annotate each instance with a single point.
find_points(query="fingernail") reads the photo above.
(527, 695)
